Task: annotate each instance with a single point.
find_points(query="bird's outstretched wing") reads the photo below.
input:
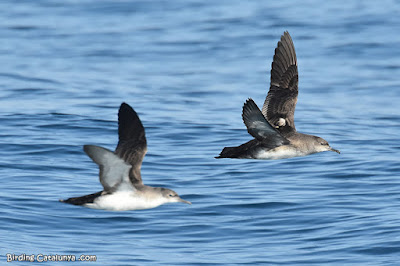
(132, 145)
(114, 171)
(259, 128)
(281, 100)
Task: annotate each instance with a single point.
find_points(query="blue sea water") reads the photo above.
(187, 67)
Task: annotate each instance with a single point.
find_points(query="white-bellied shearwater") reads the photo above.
(275, 136)
(120, 171)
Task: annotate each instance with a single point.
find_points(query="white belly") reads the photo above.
(282, 152)
(124, 201)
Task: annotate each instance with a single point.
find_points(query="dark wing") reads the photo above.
(258, 126)
(282, 96)
(132, 145)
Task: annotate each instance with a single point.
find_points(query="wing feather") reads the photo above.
(113, 170)
(259, 128)
(132, 144)
(280, 103)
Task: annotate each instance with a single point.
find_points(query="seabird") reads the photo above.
(273, 129)
(120, 171)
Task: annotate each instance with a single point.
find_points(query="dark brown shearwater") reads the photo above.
(273, 129)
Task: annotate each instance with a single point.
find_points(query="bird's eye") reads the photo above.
(172, 195)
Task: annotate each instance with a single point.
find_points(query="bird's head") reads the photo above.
(322, 145)
(172, 196)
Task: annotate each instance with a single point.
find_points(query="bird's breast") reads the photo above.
(281, 152)
(125, 201)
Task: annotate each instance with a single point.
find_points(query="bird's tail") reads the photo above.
(229, 152)
(82, 200)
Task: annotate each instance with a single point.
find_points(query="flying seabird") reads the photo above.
(120, 171)
(273, 129)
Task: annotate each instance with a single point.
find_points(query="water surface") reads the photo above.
(187, 67)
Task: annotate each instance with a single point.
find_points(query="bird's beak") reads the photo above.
(185, 201)
(332, 149)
